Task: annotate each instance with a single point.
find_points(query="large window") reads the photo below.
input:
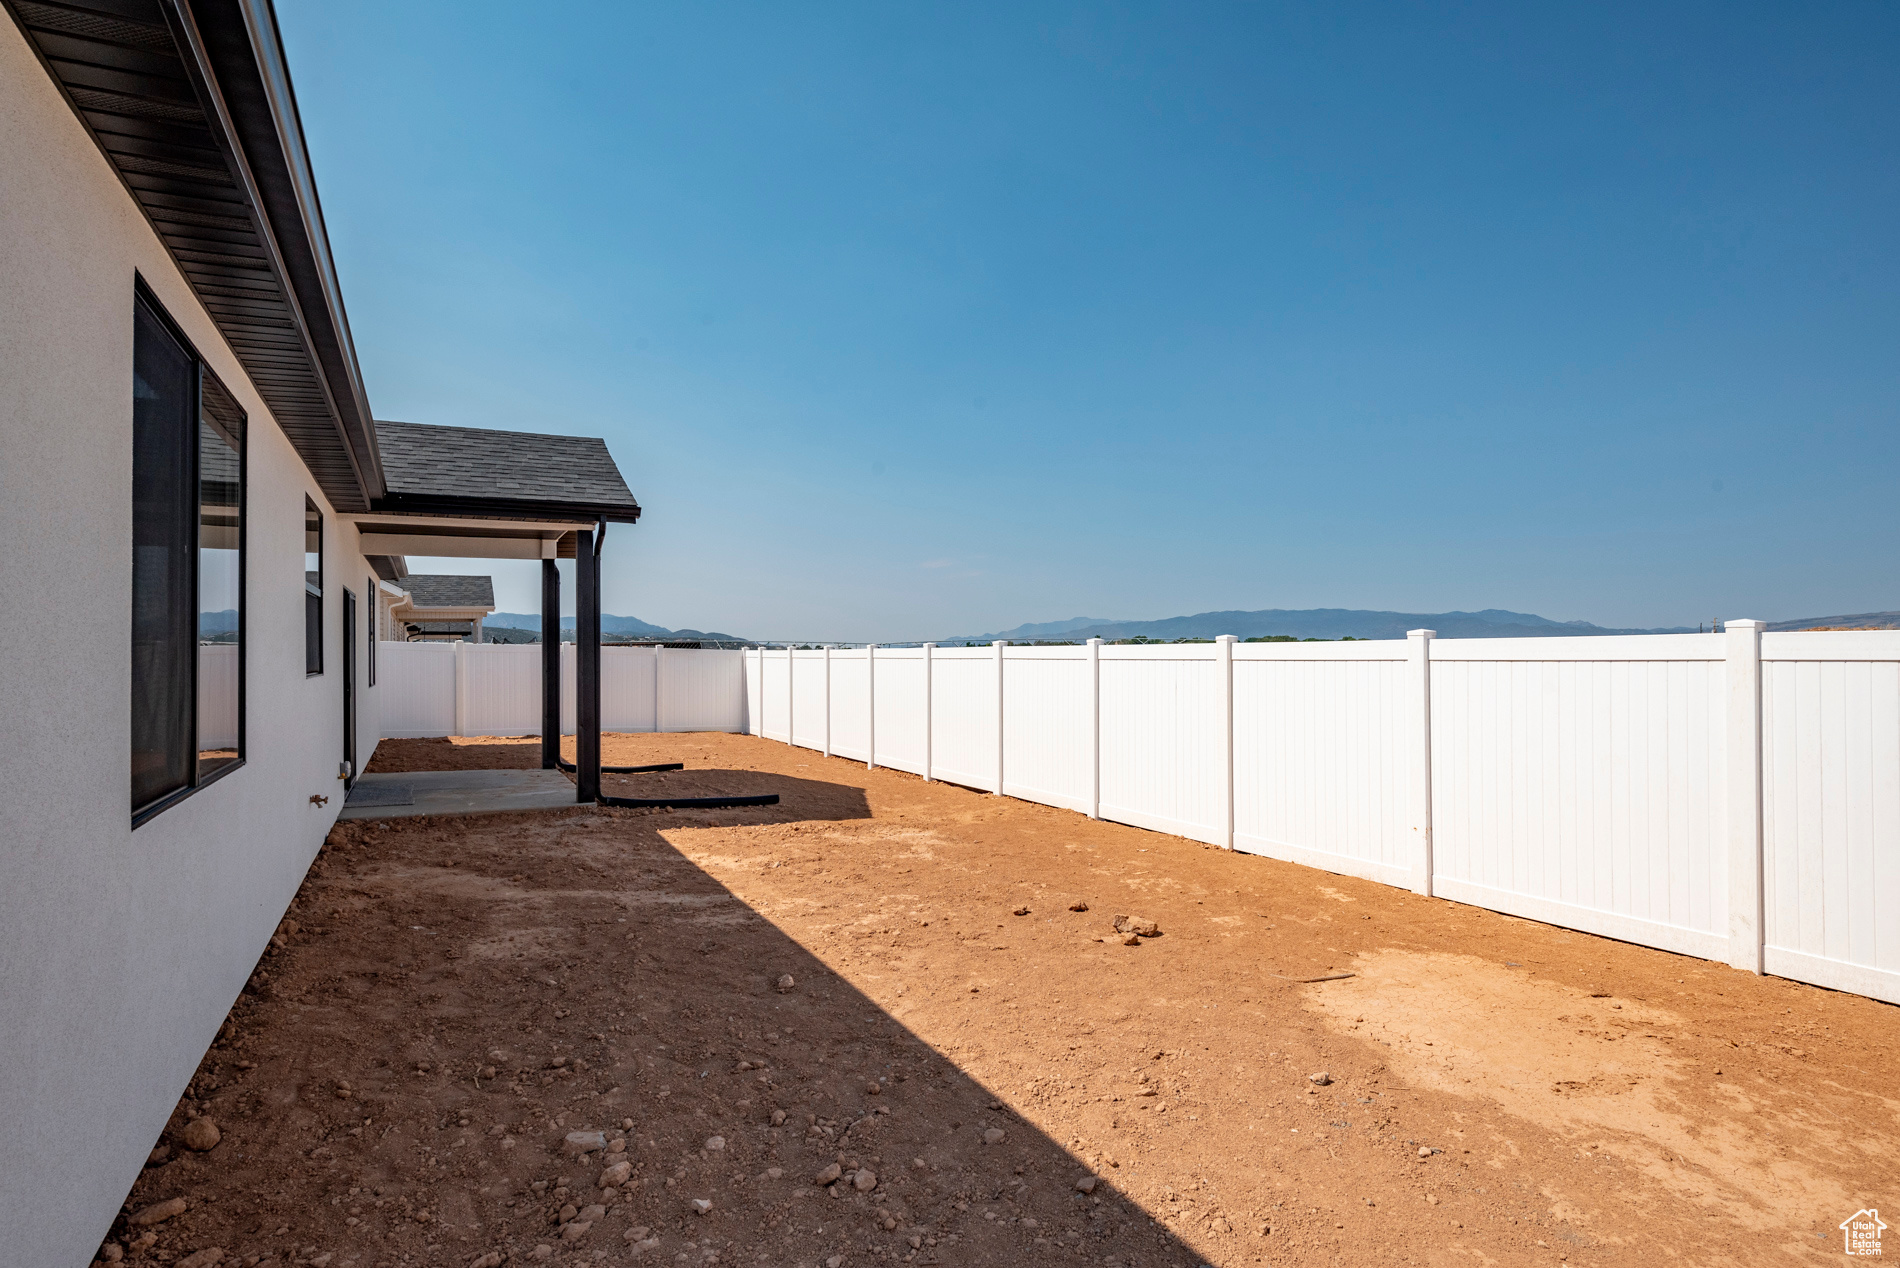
(312, 588)
(187, 569)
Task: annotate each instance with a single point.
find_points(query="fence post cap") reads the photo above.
(1095, 642)
(1744, 624)
(1227, 638)
(1421, 633)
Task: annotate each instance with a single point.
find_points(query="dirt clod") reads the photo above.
(200, 1134)
(158, 1212)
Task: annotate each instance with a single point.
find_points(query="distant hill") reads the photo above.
(1860, 621)
(1315, 623)
(610, 627)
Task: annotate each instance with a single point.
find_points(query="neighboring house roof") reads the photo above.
(450, 592)
(429, 467)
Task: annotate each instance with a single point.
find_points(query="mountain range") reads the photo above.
(616, 626)
(1328, 623)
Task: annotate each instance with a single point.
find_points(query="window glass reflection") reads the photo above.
(220, 578)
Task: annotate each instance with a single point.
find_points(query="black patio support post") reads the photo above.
(586, 669)
(550, 665)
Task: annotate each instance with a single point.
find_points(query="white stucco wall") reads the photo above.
(121, 950)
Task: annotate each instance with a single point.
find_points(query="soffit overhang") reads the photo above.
(191, 103)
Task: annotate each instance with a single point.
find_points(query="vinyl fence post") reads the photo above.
(928, 649)
(1746, 926)
(1419, 664)
(1224, 650)
(999, 645)
(827, 699)
(791, 698)
(659, 678)
(870, 706)
(461, 687)
(1095, 728)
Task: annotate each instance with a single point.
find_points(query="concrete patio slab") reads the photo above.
(457, 792)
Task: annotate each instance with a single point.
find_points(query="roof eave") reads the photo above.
(580, 513)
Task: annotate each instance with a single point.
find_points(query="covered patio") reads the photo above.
(463, 492)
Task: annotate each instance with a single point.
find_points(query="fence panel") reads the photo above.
(217, 695)
(1831, 809)
(1322, 766)
(775, 717)
(501, 689)
(850, 703)
(627, 688)
(415, 685)
(808, 705)
(1583, 781)
(1046, 719)
(963, 716)
(1162, 713)
(701, 690)
(900, 708)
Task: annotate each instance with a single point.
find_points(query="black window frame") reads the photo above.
(196, 777)
(313, 618)
(375, 619)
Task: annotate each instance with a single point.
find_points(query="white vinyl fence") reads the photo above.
(1734, 796)
(495, 689)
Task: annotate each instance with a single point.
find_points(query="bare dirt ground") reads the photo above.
(958, 1048)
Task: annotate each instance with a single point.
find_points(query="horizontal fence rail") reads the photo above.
(1734, 796)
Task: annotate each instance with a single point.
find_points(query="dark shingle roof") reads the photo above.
(450, 592)
(426, 461)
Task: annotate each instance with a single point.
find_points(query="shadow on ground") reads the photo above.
(455, 997)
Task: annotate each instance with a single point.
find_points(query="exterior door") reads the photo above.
(349, 688)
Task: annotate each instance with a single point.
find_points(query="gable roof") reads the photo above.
(430, 468)
(439, 591)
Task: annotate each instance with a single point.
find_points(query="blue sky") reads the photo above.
(910, 321)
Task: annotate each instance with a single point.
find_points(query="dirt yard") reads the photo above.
(968, 1066)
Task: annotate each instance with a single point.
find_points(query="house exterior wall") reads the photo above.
(122, 950)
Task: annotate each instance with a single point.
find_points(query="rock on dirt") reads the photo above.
(1085, 1185)
(584, 1142)
(785, 983)
(1078, 905)
(994, 1136)
(205, 1258)
(491, 1260)
(1022, 911)
(200, 1134)
(715, 1144)
(702, 1206)
(865, 1180)
(1320, 1077)
(1138, 926)
(616, 1175)
(828, 1174)
(158, 1212)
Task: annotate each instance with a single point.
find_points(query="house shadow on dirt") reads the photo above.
(454, 998)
